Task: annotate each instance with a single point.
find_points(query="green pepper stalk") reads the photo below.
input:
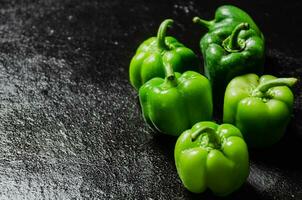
(148, 62)
(212, 156)
(174, 104)
(161, 33)
(232, 43)
(204, 23)
(209, 136)
(260, 107)
(262, 88)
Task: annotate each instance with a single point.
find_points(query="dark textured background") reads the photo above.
(70, 124)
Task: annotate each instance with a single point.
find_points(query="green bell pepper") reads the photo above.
(154, 52)
(260, 107)
(173, 104)
(228, 16)
(212, 156)
(229, 53)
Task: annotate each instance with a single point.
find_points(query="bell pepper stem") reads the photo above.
(232, 43)
(170, 76)
(161, 34)
(169, 71)
(211, 141)
(274, 83)
(202, 22)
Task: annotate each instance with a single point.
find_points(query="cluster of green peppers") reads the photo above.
(177, 100)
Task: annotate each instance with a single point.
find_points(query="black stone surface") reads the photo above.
(70, 124)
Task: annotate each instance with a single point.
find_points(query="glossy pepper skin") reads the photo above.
(148, 62)
(228, 16)
(212, 156)
(260, 107)
(173, 104)
(229, 53)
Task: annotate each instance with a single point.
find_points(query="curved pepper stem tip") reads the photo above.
(274, 83)
(200, 131)
(231, 43)
(211, 141)
(202, 22)
(161, 33)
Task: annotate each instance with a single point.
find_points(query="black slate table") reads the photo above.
(70, 123)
